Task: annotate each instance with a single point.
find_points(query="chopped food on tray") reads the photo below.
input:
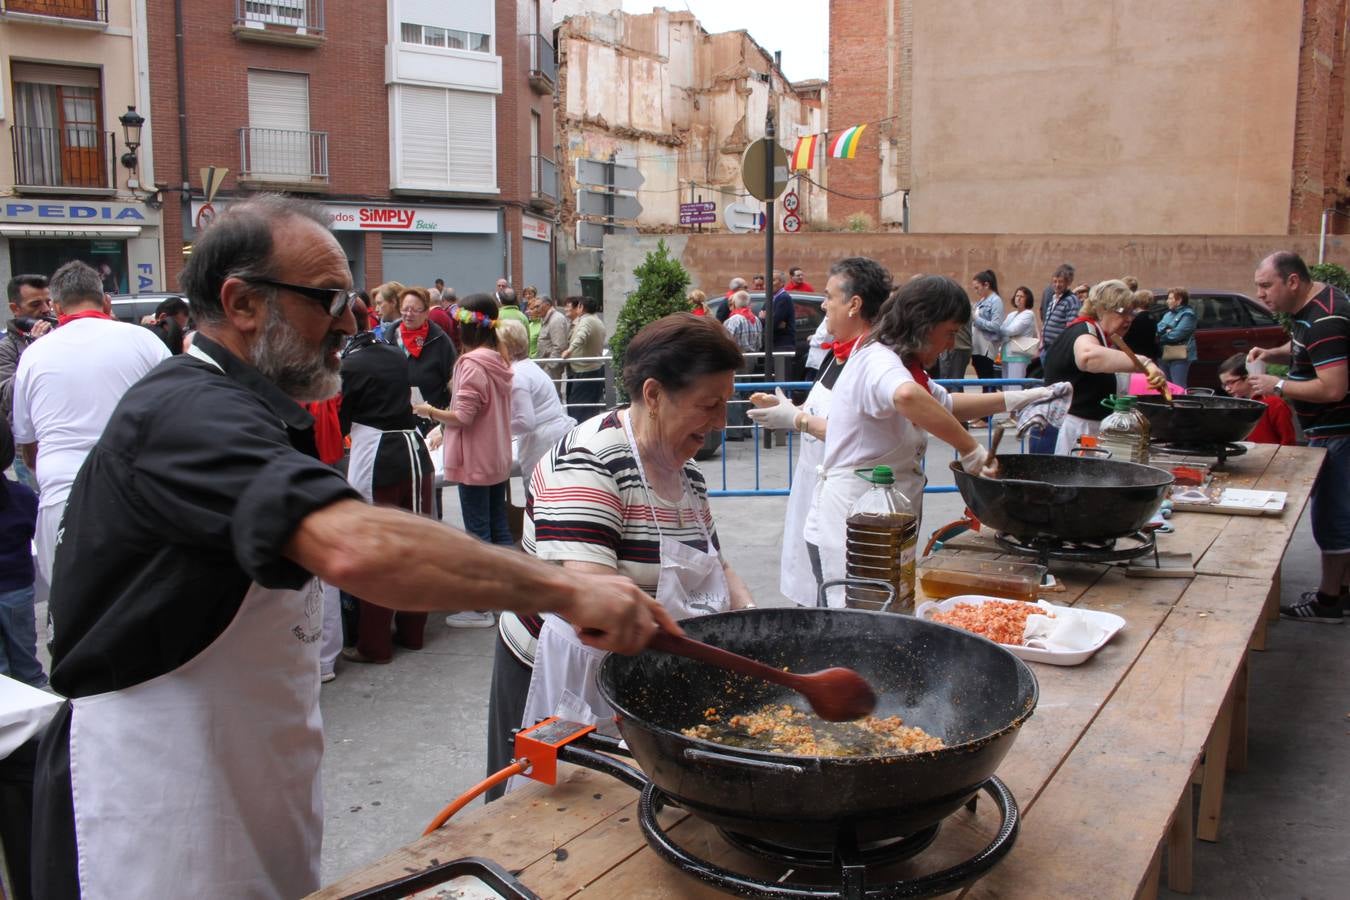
(779, 728)
(1002, 621)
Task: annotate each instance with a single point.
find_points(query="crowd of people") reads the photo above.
(210, 557)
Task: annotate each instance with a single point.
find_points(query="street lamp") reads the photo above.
(132, 122)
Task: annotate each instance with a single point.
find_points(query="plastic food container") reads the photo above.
(944, 576)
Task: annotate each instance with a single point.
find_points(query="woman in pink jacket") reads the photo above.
(477, 426)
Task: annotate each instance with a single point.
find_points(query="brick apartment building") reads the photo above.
(425, 128)
(1150, 117)
(68, 70)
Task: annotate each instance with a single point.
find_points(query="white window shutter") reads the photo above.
(473, 140)
(447, 139)
(424, 122)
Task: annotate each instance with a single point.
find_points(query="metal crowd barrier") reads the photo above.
(747, 386)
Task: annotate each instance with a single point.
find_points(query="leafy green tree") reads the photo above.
(662, 283)
(1332, 274)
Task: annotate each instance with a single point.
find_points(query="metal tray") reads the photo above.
(470, 878)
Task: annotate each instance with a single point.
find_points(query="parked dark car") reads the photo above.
(1226, 323)
(809, 316)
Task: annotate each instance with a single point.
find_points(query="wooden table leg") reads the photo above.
(1237, 741)
(1211, 784)
(1273, 598)
(1148, 889)
(1181, 845)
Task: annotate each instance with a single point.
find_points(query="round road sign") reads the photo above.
(752, 170)
(791, 224)
(205, 216)
(790, 201)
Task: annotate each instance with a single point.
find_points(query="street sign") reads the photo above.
(205, 216)
(752, 170)
(597, 203)
(792, 224)
(790, 201)
(212, 178)
(703, 206)
(740, 219)
(697, 218)
(596, 171)
(592, 234)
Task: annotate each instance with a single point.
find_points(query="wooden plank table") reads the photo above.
(1102, 772)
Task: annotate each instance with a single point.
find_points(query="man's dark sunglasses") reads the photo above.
(335, 300)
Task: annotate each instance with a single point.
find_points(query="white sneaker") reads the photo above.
(470, 620)
(325, 677)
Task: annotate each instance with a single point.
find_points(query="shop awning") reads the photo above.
(87, 232)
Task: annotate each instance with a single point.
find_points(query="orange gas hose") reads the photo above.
(464, 799)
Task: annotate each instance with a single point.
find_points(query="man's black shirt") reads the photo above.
(198, 482)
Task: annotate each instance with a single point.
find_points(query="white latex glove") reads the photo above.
(1015, 400)
(434, 438)
(781, 417)
(978, 461)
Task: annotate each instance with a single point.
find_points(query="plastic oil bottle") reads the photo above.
(882, 537)
(1124, 431)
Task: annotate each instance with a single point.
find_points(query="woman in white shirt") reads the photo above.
(884, 407)
(538, 420)
(1020, 340)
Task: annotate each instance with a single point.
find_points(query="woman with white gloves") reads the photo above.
(884, 406)
(856, 290)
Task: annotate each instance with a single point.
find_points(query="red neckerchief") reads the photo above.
(919, 374)
(414, 339)
(699, 311)
(745, 311)
(82, 314)
(1098, 333)
(842, 349)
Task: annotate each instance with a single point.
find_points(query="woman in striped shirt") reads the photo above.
(621, 493)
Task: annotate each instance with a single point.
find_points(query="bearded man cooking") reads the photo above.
(186, 614)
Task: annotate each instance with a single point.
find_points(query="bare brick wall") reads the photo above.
(347, 99)
(858, 88)
(1199, 261)
(1318, 119)
(518, 99)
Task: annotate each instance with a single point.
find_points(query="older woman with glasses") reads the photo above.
(430, 354)
(1084, 357)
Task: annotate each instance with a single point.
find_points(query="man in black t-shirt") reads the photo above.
(186, 615)
(1316, 387)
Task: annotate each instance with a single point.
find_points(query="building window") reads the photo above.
(444, 140)
(58, 136)
(276, 12)
(278, 144)
(449, 38)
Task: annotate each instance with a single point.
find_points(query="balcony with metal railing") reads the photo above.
(543, 65)
(79, 13)
(66, 160)
(299, 23)
(543, 181)
(278, 156)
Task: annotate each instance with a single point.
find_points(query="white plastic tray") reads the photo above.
(1110, 623)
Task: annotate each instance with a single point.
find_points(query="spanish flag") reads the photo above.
(845, 144)
(805, 153)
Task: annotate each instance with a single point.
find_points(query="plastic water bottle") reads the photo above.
(882, 538)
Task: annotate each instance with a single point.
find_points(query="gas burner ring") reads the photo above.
(852, 872)
(1122, 549)
(1220, 451)
(878, 854)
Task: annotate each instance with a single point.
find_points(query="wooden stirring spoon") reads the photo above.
(836, 694)
(1139, 364)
